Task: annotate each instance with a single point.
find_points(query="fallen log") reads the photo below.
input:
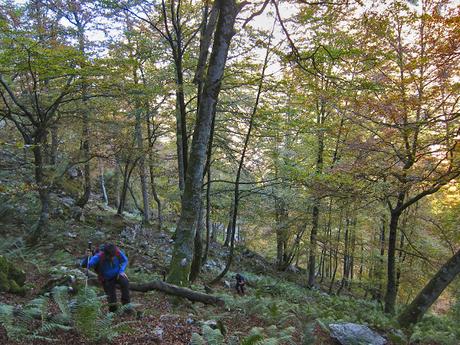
(175, 290)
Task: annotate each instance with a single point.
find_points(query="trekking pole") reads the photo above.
(87, 263)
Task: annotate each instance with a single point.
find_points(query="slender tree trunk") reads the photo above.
(54, 144)
(228, 231)
(281, 233)
(85, 128)
(185, 233)
(156, 197)
(142, 175)
(236, 194)
(198, 247)
(151, 141)
(312, 254)
(126, 178)
(401, 259)
(345, 257)
(133, 196)
(124, 190)
(102, 181)
(391, 292)
(430, 293)
(44, 196)
(181, 121)
(336, 256)
(116, 186)
(208, 215)
(316, 202)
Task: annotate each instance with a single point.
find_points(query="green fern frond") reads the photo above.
(255, 335)
(61, 298)
(212, 336)
(197, 339)
(269, 341)
(49, 327)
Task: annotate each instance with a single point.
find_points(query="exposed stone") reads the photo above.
(293, 269)
(159, 332)
(354, 334)
(74, 172)
(67, 201)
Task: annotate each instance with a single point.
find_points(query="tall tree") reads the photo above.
(36, 80)
(191, 200)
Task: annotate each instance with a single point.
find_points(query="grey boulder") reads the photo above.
(354, 334)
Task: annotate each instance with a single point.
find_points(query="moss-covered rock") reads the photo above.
(4, 282)
(12, 279)
(17, 275)
(15, 288)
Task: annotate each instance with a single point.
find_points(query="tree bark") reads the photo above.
(208, 216)
(236, 195)
(316, 202)
(85, 126)
(142, 175)
(198, 247)
(151, 140)
(102, 181)
(281, 234)
(43, 193)
(430, 293)
(390, 296)
(183, 247)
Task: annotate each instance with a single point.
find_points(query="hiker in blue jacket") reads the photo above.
(110, 264)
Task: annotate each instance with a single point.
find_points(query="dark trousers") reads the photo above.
(110, 288)
(240, 288)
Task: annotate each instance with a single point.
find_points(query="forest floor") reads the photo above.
(160, 319)
(275, 302)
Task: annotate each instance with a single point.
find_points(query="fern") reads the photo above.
(84, 314)
(255, 335)
(13, 330)
(197, 339)
(213, 336)
(61, 298)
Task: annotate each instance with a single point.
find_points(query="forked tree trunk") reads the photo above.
(236, 193)
(185, 234)
(430, 293)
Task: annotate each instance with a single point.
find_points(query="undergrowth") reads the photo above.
(83, 314)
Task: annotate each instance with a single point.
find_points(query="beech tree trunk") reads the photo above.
(102, 181)
(198, 250)
(142, 175)
(391, 292)
(43, 193)
(316, 202)
(430, 293)
(85, 127)
(236, 193)
(191, 200)
(208, 216)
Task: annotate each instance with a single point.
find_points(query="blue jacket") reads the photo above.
(108, 268)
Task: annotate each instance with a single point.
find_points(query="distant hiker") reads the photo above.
(110, 263)
(240, 282)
